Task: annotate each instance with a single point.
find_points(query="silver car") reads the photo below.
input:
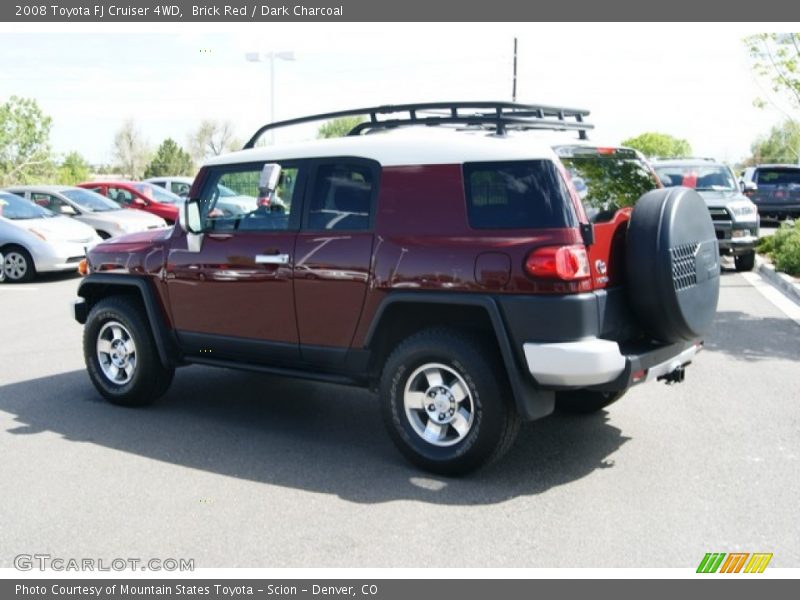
(735, 217)
(107, 217)
(36, 240)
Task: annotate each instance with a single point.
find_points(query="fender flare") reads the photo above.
(531, 401)
(95, 286)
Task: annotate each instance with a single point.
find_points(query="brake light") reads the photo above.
(606, 151)
(568, 263)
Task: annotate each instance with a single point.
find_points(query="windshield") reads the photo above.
(703, 178)
(91, 201)
(607, 178)
(780, 177)
(156, 193)
(16, 208)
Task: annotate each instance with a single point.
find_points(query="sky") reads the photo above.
(692, 81)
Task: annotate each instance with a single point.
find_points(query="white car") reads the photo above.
(36, 240)
(107, 217)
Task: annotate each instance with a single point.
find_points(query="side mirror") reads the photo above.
(268, 182)
(139, 202)
(189, 220)
(749, 186)
(67, 210)
(189, 217)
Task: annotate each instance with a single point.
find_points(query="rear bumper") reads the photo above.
(604, 364)
(790, 209)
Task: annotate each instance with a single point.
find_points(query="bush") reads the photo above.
(783, 247)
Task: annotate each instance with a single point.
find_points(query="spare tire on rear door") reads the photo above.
(672, 260)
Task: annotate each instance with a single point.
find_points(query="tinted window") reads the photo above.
(341, 198)
(785, 177)
(272, 213)
(120, 195)
(509, 195)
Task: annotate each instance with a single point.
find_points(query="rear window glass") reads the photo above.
(517, 195)
(788, 177)
(607, 181)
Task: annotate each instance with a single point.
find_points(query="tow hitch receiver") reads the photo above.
(675, 376)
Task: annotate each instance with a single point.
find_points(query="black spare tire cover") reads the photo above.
(672, 260)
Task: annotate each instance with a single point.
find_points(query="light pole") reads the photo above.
(270, 56)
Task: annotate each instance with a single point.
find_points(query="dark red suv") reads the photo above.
(451, 268)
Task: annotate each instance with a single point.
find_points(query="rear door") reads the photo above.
(332, 255)
(234, 298)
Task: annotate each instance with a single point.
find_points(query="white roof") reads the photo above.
(403, 147)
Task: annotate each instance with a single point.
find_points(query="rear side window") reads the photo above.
(517, 195)
(783, 177)
(341, 197)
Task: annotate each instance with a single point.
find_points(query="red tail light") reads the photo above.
(568, 263)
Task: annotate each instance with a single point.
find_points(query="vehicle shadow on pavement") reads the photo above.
(764, 337)
(317, 437)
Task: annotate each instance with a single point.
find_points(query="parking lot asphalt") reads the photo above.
(237, 469)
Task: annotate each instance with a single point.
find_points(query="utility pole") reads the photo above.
(514, 86)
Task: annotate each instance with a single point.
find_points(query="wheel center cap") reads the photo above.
(441, 406)
(441, 402)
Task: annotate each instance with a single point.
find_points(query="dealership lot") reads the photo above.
(237, 469)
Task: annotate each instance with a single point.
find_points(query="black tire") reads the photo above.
(494, 420)
(149, 379)
(673, 267)
(583, 402)
(745, 262)
(17, 260)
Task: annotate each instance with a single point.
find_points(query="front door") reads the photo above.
(233, 298)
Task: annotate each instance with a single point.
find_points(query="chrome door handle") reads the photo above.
(272, 259)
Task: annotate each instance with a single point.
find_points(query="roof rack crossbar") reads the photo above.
(496, 115)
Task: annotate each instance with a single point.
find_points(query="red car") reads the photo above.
(141, 195)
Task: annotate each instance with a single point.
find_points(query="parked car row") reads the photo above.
(103, 206)
(46, 228)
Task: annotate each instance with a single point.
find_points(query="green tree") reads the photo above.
(780, 145)
(73, 169)
(338, 127)
(25, 154)
(130, 150)
(169, 159)
(663, 145)
(776, 58)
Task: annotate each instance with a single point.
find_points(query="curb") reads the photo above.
(781, 281)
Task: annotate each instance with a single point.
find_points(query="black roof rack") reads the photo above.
(499, 116)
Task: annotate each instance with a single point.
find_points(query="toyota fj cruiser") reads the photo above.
(451, 268)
